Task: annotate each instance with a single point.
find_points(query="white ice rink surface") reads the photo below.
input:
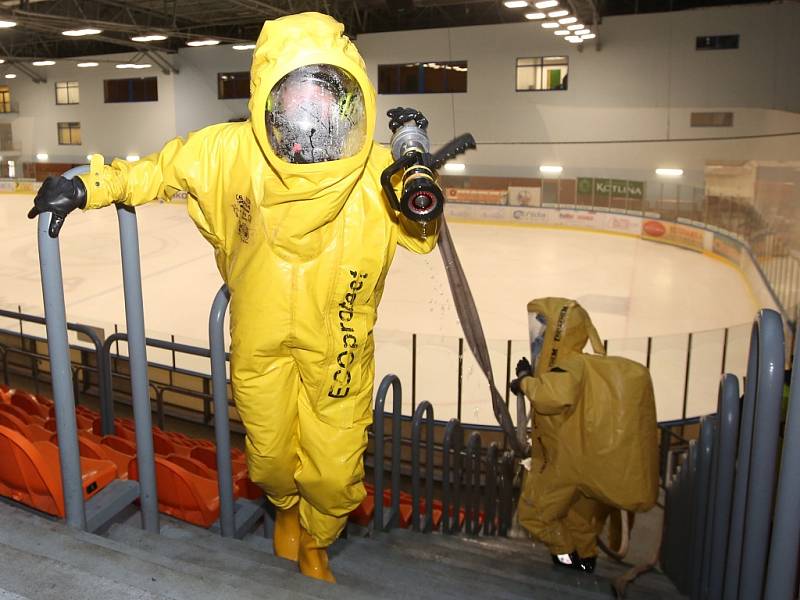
(631, 288)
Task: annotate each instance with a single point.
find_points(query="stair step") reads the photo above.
(223, 558)
(105, 558)
(46, 579)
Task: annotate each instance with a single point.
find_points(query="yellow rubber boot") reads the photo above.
(286, 538)
(314, 558)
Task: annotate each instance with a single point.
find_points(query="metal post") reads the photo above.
(782, 567)
(413, 372)
(649, 350)
(460, 374)
(378, 430)
(222, 435)
(137, 355)
(725, 459)
(724, 350)
(686, 378)
(60, 369)
(453, 441)
(424, 410)
(761, 488)
(702, 496)
(738, 511)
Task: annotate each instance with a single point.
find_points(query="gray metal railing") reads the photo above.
(477, 484)
(235, 518)
(724, 536)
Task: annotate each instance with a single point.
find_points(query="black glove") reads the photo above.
(524, 368)
(515, 387)
(400, 116)
(60, 196)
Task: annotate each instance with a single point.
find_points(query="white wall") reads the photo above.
(641, 85)
(115, 129)
(196, 102)
(627, 98)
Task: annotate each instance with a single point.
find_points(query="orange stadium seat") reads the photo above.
(29, 404)
(183, 495)
(33, 432)
(30, 473)
(21, 414)
(242, 486)
(5, 394)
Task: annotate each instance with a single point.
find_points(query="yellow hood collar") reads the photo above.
(568, 329)
(284, 45)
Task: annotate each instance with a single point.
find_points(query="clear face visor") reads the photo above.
(537, 326)
(316, 114)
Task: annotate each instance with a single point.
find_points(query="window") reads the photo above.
(233, 85)
(423, 78)
(5, 99)
(67, 92)
(717, 42)
(712, 119)
(141, 89)
(542, 73)
(69, 134)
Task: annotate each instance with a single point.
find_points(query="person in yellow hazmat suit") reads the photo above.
(594, 433)
(303, 236)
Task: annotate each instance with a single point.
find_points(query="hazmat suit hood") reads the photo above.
(317, 190)
(568, 328)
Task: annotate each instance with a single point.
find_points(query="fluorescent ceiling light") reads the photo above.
(575, 26)
(250, 46)
(148, 38)
(550, 169)
(582, 31)
(7, 24)
(454, 166)
(88, 64)
(11, 75)
(550, 25)
(515, 3)
(535, 16)
(662, 172)
(558, 13)
(42, 156)
(133, 66)
(562, 32)
(589, 36)
(568, 20)
(43, 63)
(81, 32)
(132, 157)
(142, 66)
(546, 4)
(2, 60)
(574, 39)
(203, 43)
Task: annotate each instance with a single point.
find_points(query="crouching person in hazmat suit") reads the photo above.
(303, 236)
(594, 434)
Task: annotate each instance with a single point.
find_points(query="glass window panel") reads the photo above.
(233, 85)
(433, 77)
(542, 73)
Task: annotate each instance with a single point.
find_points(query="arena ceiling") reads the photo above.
(38, 33)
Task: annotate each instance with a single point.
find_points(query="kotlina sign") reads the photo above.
(617, 188)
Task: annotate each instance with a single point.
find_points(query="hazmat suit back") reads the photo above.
(594, 431)
(304, 250)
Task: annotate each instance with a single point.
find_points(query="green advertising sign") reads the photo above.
(617, 188)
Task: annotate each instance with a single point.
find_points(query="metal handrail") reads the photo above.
(377, 426)
(424, 410)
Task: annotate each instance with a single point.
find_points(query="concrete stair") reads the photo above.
(42, 559)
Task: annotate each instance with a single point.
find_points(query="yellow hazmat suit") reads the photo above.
(304, 249)
(594, 434)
